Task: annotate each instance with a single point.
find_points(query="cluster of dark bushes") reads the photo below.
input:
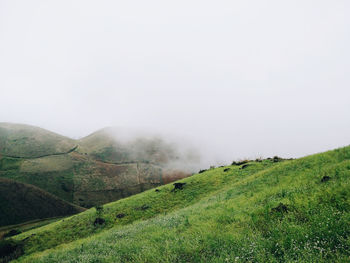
(274, 159)
(238, 163)
(211, 167)
(244, 163)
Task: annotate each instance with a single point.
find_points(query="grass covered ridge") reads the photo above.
(25, 141)
(95, 170)
(22, 202)
(267, 212)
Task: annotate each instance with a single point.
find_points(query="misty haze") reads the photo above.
(174, 131)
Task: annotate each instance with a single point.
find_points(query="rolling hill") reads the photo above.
(260, 211)
(25, 141)
(21, 202)
(114, 145)
(94, 170)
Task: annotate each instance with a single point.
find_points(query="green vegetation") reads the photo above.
(86, 172)
(9, 164)
(288, 211)
(9, 250)
(99, 211)
(23, 227)
(21, 202)
(270, 210)
(19, 140)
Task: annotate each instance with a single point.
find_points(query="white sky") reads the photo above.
(240, 78)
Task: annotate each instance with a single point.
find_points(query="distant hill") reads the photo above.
(94, 170)
(19, 140)
(112, 145)
(22, 202)
(270, 210)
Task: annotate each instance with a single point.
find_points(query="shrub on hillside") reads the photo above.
(240, 162)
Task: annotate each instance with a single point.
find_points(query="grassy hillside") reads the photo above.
(21, 202)
(19, 140)
(85, 181)
(290, 211)
(108, 146)
(85, 172)
(11, 230)
(53, 174)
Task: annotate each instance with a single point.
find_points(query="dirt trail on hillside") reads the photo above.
(40, 156)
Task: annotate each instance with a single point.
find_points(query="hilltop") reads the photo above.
(25, 141)
(114, 145)
(258, 211)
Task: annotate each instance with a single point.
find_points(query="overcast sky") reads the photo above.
(240, 78)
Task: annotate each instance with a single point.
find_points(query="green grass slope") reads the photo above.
(53, 174)
(86, 172)
(11, 230)
(83, 180)
(21, 202)
(291, 211)
(19, 140)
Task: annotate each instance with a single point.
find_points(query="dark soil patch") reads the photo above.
(277, 159)
(281, 208)
(178, 186)
(99, 221)
(325, 179)
(121, 215)
(143, 207)
(32, 235)
(227, 169)
(244, 166)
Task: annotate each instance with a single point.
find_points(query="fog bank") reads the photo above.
(235, 79)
